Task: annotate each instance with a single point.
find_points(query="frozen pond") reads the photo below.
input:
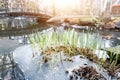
(34, 71)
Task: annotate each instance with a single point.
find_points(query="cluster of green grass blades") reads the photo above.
(68, 38)
(64, 38)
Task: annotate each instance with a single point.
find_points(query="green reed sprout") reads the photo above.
(54, 37)
(32, 41)
(117, 56)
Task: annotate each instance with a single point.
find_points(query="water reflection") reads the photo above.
(115, 40)
(111, 42)
(21, 39)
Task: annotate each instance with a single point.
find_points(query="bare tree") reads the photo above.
(101, 7)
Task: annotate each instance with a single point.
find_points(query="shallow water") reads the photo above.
(114, 41)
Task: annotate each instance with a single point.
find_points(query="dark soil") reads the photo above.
(87, 72)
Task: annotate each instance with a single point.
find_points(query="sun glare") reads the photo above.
(60, 3)
(64, 3)
(65, 6)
